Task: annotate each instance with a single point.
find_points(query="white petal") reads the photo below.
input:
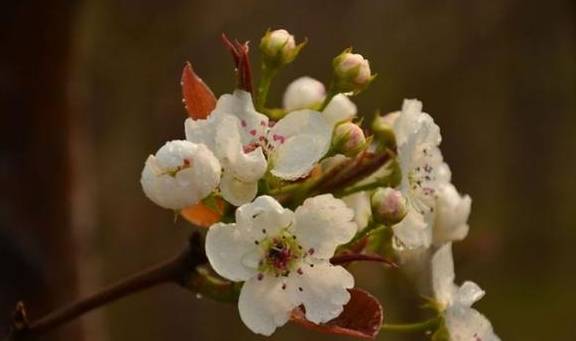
(322, 289)
(239, 105)
(226, 247)
(340, 109)
(469, 293)
(452, 211)
(406, 123)
(443, 275)
(322, 223)
(265, 216)
(467, 324)
(296, 157)
(299, 141)
(303, 93)
(235, 191)
(180, 175)
(413, 231)
(360, 203)
(264, 306)
(248, 167)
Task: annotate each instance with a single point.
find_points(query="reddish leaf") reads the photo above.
(239, 53)
(199, 100)
(202, 215)
(361, 318)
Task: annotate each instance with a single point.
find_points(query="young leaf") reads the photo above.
(199, 100)
(362, 317)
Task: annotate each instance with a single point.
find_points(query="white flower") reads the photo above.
(423, 172)
(462, 322)
(247, 144)
(180, 174)
(283, 257)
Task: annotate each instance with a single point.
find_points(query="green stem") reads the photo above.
(372, 226)
(411, 327)
(264, 83)
(329, 96)
(356, 189)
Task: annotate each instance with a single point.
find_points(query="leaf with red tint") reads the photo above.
(241, 59)
(202, 215)
(362, 317)
(199, 100)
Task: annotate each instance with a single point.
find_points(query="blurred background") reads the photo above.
(89, 88)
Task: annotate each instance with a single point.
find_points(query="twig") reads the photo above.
(177, 270)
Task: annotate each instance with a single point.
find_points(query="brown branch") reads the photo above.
(177, 270)
(356, 257)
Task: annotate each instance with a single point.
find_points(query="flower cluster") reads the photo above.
(295, 192)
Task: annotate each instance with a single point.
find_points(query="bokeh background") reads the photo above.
(88, 88)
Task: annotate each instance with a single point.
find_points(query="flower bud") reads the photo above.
(279, 47)
(180, 174)
(349, 139)
(388, 206)
(382, 126)
(352, 72)
(304, 93)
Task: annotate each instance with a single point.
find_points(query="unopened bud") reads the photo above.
(352, 72)
(388, 206)
(349, 139)
(279, 47)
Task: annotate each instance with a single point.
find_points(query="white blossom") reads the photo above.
(423, 172)
(283, 257)
(462, 322)
(248, 144)
(180, 174)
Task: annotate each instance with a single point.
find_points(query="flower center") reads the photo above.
(262, 137)
(173, 171)
(422, 181)
(281, 254)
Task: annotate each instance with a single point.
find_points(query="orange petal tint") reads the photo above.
(202, 215)
(361, 318)
(199, 100)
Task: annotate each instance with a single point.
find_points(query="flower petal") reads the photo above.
(248, 167)
(360, 203)
(264, 216)
(235, 191)
(464, 324)
(340, 109)
(452, 211)
(297, 157)
(469, 293)
(322, 289)
(201, 131)
(303, 93)
(442, 269)
(264, 306)
(180, 175)
(322, 223)
(299, 141)
(413, 231)
(226, 246)
(240, 105)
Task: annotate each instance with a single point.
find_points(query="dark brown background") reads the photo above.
(89, 88)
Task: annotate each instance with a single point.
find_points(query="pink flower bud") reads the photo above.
(349, 138)
(388, 206)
